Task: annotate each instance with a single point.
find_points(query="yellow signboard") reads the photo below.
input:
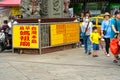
(64, 33)
(25, 36)
(15, 11)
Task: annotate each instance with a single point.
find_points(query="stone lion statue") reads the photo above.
(39, 8)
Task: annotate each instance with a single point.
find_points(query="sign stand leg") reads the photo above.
(40, 47)
(12, 50)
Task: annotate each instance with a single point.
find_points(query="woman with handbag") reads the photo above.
(106, 32)
(86, 29)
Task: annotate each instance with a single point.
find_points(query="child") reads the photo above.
(94, 37)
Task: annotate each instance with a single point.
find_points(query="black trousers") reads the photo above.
(107, 44)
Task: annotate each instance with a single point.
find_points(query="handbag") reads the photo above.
(105, 31)
(114, 46)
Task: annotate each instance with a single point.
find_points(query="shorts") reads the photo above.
(95, 46)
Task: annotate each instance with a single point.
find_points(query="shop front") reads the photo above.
(96, 7)
(9, 7)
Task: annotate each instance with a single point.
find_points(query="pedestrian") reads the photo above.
(5, 26)
(6, 29)
(10, 23)
(115, 24)
(106, 32)
(86, 29)
(87, 16)
(95, 37)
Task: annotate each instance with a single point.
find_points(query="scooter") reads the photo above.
(3, 42)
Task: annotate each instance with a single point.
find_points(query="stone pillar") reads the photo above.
(55, 8)
(44, 8)
(30, 8)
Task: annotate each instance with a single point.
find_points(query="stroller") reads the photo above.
(115, 47)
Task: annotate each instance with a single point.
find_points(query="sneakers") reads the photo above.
(108, 55)
(115, 61)
(105, 53)
(85, 52)
(95, 55)
(89, 53)
(118, 58)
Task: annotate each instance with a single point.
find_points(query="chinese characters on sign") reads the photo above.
(25, 36)
(15, 11)
(34, 37)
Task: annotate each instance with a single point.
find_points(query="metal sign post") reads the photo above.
(40, 47)
(12, 39)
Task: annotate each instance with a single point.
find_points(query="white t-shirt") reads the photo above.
(89, 29)
(10, 26)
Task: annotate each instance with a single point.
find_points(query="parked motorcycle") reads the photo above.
(3, 41)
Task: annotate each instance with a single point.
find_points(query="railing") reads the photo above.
(45, 35)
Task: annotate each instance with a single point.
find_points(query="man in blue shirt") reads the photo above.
(115, 24)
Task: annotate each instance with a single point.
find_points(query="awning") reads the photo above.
(10, 2)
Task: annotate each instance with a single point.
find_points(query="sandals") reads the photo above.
(95, 55)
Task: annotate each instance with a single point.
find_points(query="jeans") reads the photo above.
(87, 44)
(95, 46)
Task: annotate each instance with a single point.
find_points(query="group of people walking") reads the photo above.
(109, 27)
(6, 28)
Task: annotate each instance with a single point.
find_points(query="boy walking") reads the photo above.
(94, 37)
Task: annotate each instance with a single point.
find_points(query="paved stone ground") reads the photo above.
(63, 65)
